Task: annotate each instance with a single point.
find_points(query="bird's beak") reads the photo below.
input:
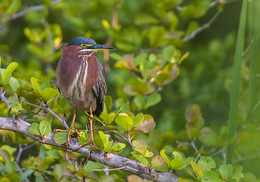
(96, 47)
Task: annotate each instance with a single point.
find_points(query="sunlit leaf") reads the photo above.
(125, 122)
(36, 85)
(14, 83)
(45, 127)
(10, 68)
(34, 128)
(138, 119)
(140, 157)
(147, 125)
(61, 137)
(139, 145)
(226, 171)
(164, 156)
(157, 161)
(118, 146)
(49, 93)
(9, 149)
(176, 164)
(197, 169)
(210, 176)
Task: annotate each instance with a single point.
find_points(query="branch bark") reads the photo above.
(109, 159)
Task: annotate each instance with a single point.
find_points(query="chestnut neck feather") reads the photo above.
(71, 62)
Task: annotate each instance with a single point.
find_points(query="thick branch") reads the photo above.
(109, 159)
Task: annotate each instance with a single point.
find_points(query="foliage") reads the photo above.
(167, 99)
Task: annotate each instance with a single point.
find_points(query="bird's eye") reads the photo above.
(83, 45)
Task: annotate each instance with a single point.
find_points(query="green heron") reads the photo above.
(81, 78)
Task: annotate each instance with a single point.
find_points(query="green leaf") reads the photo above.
(138, 119)
(49, 93)
(107, 118)
(152, 100)
(4, 155)
(26, 174)
(156, 35)
(139, 101)
(45, 127)
(164, 156)
(169, 52)
(177, 163)
(58, 169)
(10, 68)
(118, 146)
(61, 137)
(125, 121)
(139, 58)
(206, 163)
(157, 161)
(210, 176)
(140, 157)
(145, 19)
(177, 155)
(92, 165)
(34, 129)
(108, 103)
(46, 163)
(196, 168)
(36, 85)
(14, 83)
(9, 149)
(147, 125)
(83, 137)
(162, 77)
(226, 171)
(10, 167)
(108, 127)
(147, 153)
(104, 138)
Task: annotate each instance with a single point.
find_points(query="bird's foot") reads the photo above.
(71, 131)
(91, 143)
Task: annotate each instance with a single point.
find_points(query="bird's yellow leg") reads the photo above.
(72, 125)
(91, 127)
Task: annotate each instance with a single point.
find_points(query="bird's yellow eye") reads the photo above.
(83, 45)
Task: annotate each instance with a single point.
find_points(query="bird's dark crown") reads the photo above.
(81, 40)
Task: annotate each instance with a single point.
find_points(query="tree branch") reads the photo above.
(203, 27)
(109, 159)
(30, 9)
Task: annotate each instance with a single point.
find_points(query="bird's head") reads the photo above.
(87, 45)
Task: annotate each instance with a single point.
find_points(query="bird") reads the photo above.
(81, 79)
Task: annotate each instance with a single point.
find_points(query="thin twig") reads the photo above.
(196, 150)
(30, 9)
(203, 27)
(50, 111)
(130, 143)
(3, 98)
(20, 170)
